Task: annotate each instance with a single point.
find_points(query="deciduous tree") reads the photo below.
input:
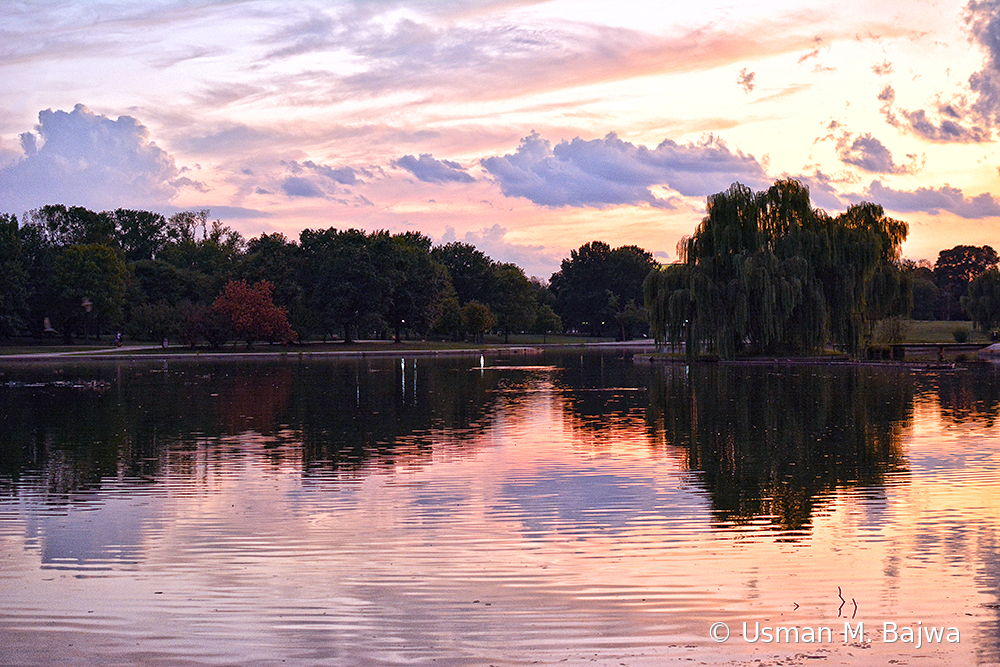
(252, 312)
(982, 302)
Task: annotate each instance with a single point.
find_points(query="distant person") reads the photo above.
(164, 344)
(118, 339)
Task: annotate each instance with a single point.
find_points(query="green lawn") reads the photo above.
(919, 331)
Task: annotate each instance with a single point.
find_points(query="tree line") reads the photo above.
(765, 273)
(75, 273)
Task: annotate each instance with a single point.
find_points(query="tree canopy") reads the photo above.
(595, 285)
(764, 271)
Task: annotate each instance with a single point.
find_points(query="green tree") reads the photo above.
(209, 262)
(982, 302)
(141, 234)
(343, 280)
(277, 260)
(926, 293)
(955, 269)
(765, 272)
(91, 274)
(514, 302)
(546, 321)
(471, 271)
(62, 226)
(449, 320)
(152, 321)
(417, 284)
(477, 319)
(595, 283)
(13, 286)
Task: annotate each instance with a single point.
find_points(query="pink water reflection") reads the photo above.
(567, 523)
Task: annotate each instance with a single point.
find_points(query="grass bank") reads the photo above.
(107, 349)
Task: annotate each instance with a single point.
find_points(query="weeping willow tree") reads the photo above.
(765, 272)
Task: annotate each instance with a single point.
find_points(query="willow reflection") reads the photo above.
(770, 441)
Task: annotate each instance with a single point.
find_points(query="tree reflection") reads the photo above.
(129, 421)
(382, 411)
(769, 441)
(966, 397)
(606, 397)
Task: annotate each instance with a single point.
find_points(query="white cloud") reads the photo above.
(431, 170)
(536, 260)
(609, 172)
(933, 201)
(84, 159)
(869, 154)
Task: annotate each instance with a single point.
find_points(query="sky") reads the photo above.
(526, 128)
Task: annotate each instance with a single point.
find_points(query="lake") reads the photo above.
(513, 509)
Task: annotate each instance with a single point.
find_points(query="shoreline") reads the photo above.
(388, 349)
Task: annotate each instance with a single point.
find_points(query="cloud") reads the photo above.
(306, 179)
(957, 121)
(822, 192)
(883, 68)
(933, 201)
(235, 212)
(869, 154)
(745, 80)
(84, 159)
(534, 259)
(610, 172)
(341, 175)
(946, 130)
(431, 170)
(983, 18)
(297, 186)
(470, 53)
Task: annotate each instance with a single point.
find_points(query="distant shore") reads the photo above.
(306, 350)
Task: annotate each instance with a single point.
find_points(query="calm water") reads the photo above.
(556, 509)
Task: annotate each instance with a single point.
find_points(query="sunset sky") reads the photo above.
(526, 128)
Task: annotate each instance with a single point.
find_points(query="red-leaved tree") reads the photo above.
(253, 313)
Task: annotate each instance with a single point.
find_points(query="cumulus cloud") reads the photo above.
(310, 179)
(869, 154)
(534, 259)
(297, 186)
(431, 170)
(85, 159)
(609, 171)
(947, 129)
(822, 190)
(341, 175)
(933, 201)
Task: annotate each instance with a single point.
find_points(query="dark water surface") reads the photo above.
(535, 509)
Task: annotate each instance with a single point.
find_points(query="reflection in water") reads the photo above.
(336, 414)
(770, 441)
(966, 397)
(474, 511)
